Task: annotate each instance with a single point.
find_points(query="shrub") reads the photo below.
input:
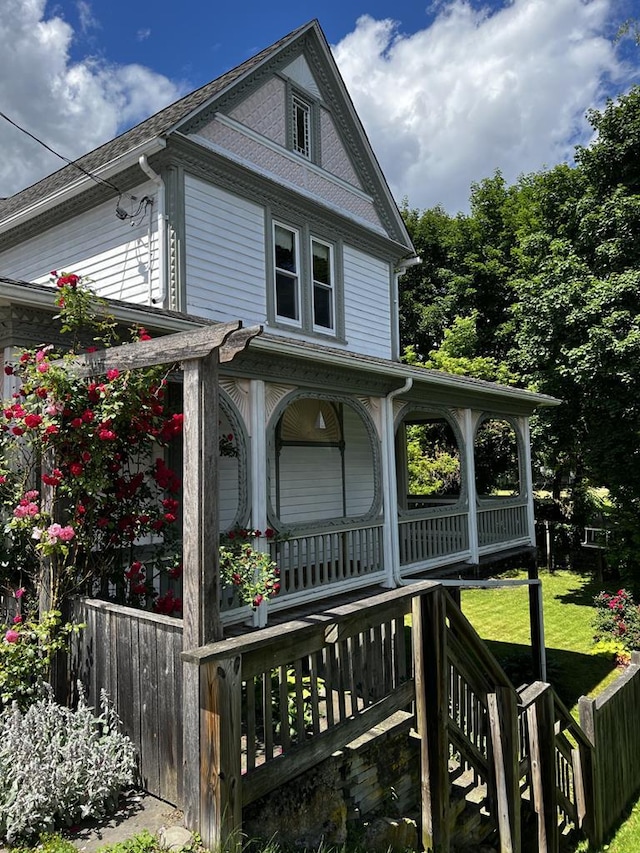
(618, 618)
(26, 652)
(58, 766)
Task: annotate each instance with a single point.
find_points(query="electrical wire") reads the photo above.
(62, 157)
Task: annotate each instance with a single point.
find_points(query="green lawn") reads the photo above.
(501, 617)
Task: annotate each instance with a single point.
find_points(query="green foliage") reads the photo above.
(540, 285)
(433, 466)
(48, 842)
(59, 766)
(26, 653)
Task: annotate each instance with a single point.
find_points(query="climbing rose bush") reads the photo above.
(85, 480)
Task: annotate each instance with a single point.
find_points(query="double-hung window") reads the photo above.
(323, 294)
(301, 120)
(286, 252)
(304, 280)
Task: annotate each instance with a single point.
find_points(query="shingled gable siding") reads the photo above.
(95, 244)
(225, 254)
(367, 304)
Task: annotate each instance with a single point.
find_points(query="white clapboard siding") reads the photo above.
(310, 484)
(95, 244)
(367, 303)
(225, 254)
(358, 465)
(228, 490)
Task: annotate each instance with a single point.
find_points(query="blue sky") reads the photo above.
(448, 91)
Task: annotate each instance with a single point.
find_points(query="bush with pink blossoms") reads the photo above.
(617, 618)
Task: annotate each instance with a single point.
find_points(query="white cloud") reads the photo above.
(73, 107)
(476, 91)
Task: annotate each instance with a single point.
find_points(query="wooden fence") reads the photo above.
(136, 657)
(612, 723)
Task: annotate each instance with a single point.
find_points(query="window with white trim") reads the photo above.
(323, 293)
(304, 281)
(301, 121)
(286, 254)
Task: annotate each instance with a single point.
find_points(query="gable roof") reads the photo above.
(179, 113)
(156, 125)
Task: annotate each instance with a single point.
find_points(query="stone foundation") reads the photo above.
(370, 785)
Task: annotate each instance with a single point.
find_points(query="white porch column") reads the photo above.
(258, 475)
(391, 549)
(467, 421)
(525, 432)
(257, 428)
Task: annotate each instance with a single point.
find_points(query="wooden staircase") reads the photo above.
(512, 757)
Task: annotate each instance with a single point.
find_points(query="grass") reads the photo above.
(573, 668)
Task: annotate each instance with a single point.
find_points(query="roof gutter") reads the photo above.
(108, 170)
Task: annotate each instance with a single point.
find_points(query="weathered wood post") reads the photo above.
(538, 698)
(503, 726)
(432, 709)
(211, 705)
(536, 620)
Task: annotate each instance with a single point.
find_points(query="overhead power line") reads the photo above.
(73, 163)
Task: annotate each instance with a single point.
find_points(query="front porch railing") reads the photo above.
(434, 538)
(502, 524)
(348, 557)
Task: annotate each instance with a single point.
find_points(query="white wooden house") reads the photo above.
(258, 197)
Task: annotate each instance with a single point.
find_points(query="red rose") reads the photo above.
(32, 421)
(76, 469)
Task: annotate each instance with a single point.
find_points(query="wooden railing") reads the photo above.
(611, 721)
(556, 770)
(497, 524)
(273, 704)
(433, 537)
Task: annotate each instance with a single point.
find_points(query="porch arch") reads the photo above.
(233, 473)
(324, 462)
(446, 436)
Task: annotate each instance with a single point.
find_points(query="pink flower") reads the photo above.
(113, 373)
(19, 593)
(43, 367)
(57, 533)
(12, 636)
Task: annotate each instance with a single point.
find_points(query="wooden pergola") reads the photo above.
(199, 354)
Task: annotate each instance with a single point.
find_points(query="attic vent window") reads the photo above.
(301, 127)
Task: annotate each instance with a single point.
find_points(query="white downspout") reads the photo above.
(398, 272)
(162, 234)
(391, 549)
